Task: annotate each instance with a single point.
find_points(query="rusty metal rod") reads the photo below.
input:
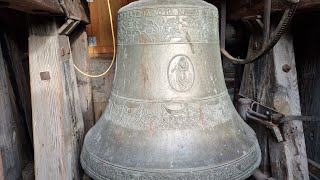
(266, 21)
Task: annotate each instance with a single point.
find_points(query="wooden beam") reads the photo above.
(37, 6)
(73, 9)
(15, 57)
(240, 9)
(79, 49)
(287, 101)
(57, 118)
(252, 83)
(10, 164)
(266, 82)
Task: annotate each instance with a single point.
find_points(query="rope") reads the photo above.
(114, 50)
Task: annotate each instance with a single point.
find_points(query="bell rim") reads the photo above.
(254, 153)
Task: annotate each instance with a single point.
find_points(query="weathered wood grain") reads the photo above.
(267, 83)
(287, 101)
(43, 25)
(15, 56)
(255, 82)
(79, 49)
(57, 117)
(23, 141)
(75, 10)
(73, 108)
(10, 160)
(37, 6)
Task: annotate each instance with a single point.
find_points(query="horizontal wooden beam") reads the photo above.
(240, 9)
(73, 9)
(36, 6)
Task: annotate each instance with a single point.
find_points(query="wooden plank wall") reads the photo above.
(100, 26)
(307, 38)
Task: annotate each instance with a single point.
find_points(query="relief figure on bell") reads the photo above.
(181, 75)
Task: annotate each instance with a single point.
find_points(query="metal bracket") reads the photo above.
(269, 117)
(264, 115)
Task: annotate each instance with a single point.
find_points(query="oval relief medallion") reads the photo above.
(181, 73)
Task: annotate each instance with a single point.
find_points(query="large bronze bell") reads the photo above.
(170, 115)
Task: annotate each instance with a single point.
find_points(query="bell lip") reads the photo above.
(173, 173)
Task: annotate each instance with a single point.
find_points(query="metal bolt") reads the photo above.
(286, 68)
(268, 113)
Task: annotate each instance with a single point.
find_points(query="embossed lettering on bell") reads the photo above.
(169, 115)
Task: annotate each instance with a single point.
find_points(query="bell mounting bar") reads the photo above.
(270, 117)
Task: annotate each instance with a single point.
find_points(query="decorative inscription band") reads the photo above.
(203, 114)
(149, 12)
(167, 26)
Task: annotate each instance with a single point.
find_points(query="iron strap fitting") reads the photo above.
(273, 119)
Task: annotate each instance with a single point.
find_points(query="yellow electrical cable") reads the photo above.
(114, 49)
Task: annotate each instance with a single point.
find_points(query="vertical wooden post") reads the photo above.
(287, 101)
(57, 118)
(255, 78)
(10, 165)
(79, 49)
(23, 89)
(266, 82)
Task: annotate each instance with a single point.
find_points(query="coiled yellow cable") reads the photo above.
(114, 49)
